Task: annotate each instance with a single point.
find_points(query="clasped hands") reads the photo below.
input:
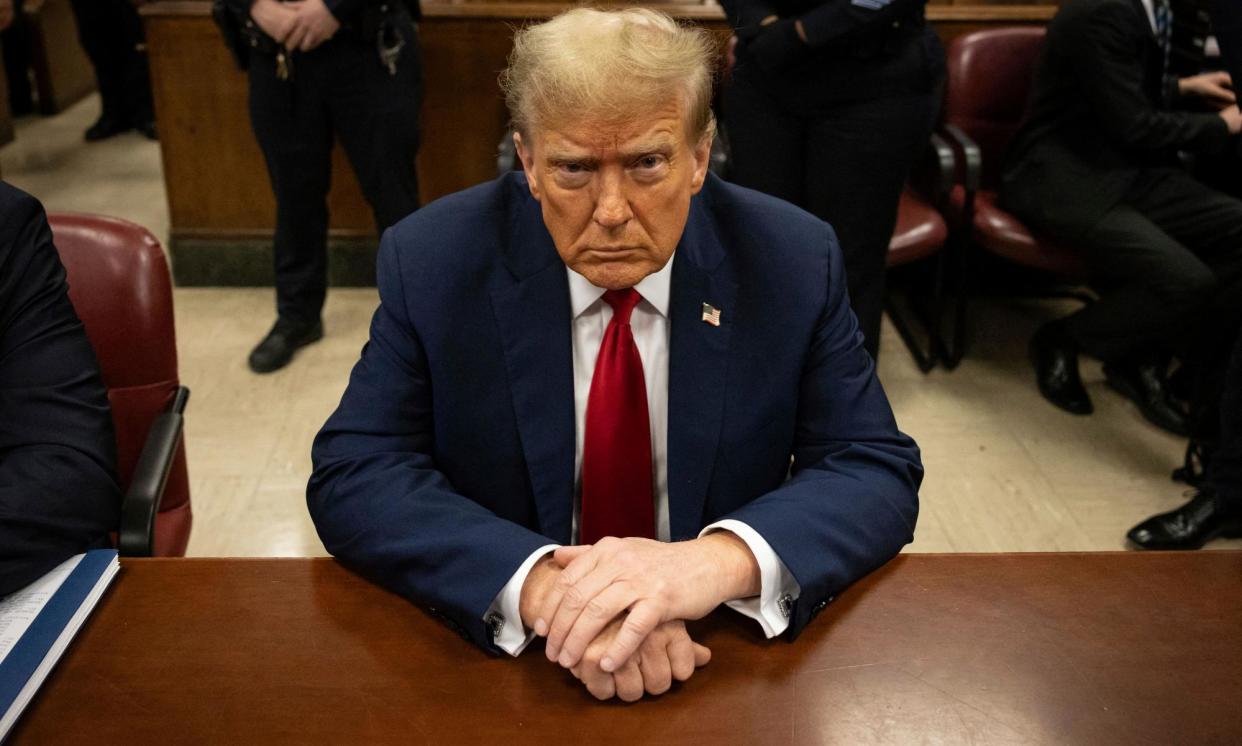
(613, 612)
(301, 25)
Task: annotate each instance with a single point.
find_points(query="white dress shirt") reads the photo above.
(650, 324)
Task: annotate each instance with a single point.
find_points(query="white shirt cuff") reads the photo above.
(777, 590)
(510, 636)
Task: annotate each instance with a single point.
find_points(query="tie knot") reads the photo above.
(622, 302)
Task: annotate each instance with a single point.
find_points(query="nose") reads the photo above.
(612, 206)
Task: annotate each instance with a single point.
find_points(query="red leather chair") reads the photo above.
(120, 286)
(989, 81)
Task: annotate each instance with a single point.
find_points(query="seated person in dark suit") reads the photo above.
(1096, 165)
(58, 493)
(613, 392)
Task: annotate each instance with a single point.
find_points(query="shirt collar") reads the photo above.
(654, 288)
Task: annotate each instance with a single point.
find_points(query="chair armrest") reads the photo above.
(936, 173)
(136, 537)
(970, 169)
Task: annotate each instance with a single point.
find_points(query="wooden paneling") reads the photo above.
(217, 183)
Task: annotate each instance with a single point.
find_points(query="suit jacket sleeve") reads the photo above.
(377, 499)
(1107, 55)
(58, 495)
(852, 499)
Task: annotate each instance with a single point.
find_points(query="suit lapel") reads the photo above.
(533, 316)
(698, 362)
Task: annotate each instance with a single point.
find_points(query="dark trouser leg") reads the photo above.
(135, 73)
(99, 33)
(375, 115)
(765, 141)
(16, 42)
(858, 159)
(1225, 472)
(1151, 285)
(291, 124)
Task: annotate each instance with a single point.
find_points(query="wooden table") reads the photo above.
(1030, 648)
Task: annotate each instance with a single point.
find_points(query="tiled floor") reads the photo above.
(1005, 470)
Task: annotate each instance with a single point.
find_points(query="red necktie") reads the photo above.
(616, 453)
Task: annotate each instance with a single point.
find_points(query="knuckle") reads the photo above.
(660, 685)
(597, 608)
(573, 597)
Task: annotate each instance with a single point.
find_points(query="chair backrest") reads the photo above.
(120, 287)
(989, 84)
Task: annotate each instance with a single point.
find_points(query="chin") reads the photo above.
(615, 277)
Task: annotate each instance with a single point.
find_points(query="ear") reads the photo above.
(527, 157)
(702, 158)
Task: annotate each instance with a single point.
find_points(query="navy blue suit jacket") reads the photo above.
(451, 456)
(58, 491)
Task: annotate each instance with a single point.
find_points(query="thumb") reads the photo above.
(565, 555)
(702, 654)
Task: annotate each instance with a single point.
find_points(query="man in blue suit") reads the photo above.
(612, 393)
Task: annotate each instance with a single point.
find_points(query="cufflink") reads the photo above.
(785, 604)
(495, 622)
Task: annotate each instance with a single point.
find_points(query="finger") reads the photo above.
(654, 666)
(571, 574)
(293, 39)
(606, 602)
(577, 672)
(629, 682)
(681, 657)
(309, 42)
(702, 654)
(639, 623)
(583, 600)
(601, 685)
(565, 555)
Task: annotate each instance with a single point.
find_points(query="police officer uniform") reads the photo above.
(363, 86)
(833, 122)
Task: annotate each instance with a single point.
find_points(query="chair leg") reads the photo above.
(953, 349)
(904, 321)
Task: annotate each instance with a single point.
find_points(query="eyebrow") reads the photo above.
(659, 144)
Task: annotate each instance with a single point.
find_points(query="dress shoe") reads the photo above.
(1190, 526)
(106, 127)
(1147, 386)
(285, 338)
(1055, 357)
(147, 130)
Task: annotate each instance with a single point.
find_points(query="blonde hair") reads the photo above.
(611, 65)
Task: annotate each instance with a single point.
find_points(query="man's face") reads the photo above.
(615, 196)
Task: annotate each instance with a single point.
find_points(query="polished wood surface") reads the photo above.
(1026, 648)
(216, 181)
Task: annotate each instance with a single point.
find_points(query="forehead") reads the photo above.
(659, 126)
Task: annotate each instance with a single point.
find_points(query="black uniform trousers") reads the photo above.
(845, 162)
(339, 88)
(1225, 471)
(111, 34)
(1167, 261)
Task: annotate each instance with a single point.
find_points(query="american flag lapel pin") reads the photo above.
(711, 314)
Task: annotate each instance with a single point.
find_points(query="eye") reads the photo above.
(649, 162)
(572, 174)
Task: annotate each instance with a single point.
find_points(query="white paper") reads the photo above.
(19, 609)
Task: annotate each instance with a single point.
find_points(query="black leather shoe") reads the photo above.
(1189, 527)
(285, 338)
(106, 127)
(1055, 357)
(1147, 386)
(147, 130)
